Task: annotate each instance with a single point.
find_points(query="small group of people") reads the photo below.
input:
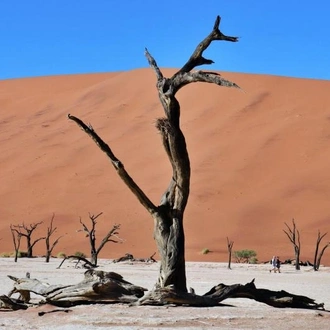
(276, 265)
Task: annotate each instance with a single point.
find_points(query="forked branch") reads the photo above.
(196, 58)
(180, 80)
(117, 164)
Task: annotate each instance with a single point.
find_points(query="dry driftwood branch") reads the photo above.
(7, 303)
(110, 287)
(96, 287)
(87, 264)
(219, 293)
(130, 257)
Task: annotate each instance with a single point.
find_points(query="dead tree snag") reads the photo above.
(168, 215)
(109, 287)
(50, 231)
(16, 235)
(111, 236)
(318, 255)
(27, 231)
(230, 245)
(294, 237)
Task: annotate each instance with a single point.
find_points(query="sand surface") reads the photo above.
(259, 158)
(246, 314)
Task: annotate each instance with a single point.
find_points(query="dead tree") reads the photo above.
(168, 215)
(16, 234)
(294, 237)
(50, 231)
(111, 236)
(317, 255)
(27, 231)
(230, 249)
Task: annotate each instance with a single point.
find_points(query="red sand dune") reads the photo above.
(259, 158)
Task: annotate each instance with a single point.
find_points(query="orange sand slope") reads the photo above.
(259, 158)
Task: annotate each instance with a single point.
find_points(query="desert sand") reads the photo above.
(202, 276)
(260, 156)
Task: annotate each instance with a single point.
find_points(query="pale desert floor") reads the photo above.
(246, 314)
(258, 159)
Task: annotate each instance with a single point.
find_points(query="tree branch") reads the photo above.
(196, 58)
(153, 64)
(84, 226)
(143, 199)
(36, 241)
(106, 239)
(180, 80)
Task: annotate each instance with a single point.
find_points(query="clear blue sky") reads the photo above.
(47, 37)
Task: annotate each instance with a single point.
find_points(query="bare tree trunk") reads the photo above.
(49, 246)
(29, 248)
(16, 234)
(168, 216)
(230, 249)
(317, 255)
(294, 237)
(318, 262)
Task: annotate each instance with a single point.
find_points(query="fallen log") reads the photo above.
(214, 297)
(11, 304)
(130, 257)
(109, 287)
(96, 287)
(87, 264)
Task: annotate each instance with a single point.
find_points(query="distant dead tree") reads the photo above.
(230, 249)
(111, 236)
(27, 231)
(50, 231)
(294, 237)
(318, 256)
(16, 234)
